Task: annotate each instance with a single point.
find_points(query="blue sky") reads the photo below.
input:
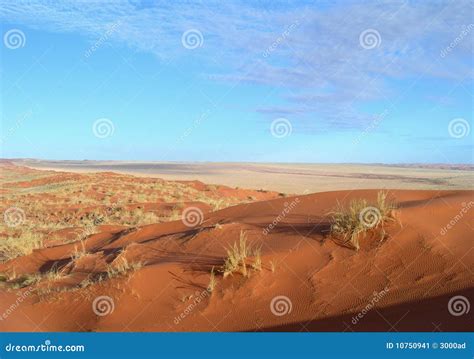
(273, 81)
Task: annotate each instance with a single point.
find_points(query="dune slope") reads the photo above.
(307, 282)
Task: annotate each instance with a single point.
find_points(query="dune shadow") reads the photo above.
(422, 315)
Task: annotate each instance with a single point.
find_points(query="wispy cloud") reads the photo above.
(310, 50)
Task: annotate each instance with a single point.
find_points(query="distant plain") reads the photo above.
(282, 177)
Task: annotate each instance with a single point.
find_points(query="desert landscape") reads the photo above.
(104, 251)
(177, 176)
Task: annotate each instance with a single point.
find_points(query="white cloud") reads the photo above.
(311, 49)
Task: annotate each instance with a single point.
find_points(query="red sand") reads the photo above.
(403, 283)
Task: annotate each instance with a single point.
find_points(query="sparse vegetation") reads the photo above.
(236, 256)
(13, 247)
(360, 217)
(212, 281)
(236, 260)
(257, 263)
(272, 266)
(122, 266)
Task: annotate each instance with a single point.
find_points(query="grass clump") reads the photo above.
(121, 267)
(237, 255)
(361, 216)
(212, 281)
(13, 247)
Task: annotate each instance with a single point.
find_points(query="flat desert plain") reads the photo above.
(302, 248)
(281, 177)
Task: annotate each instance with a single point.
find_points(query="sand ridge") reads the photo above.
(307, 281)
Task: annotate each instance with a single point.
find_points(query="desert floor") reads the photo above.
(287, 178)
(113, 252)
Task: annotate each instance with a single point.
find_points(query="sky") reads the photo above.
(261, 81)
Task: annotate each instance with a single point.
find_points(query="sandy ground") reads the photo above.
(287, 178)
(414, 273)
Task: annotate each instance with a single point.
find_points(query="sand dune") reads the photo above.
(307, 282)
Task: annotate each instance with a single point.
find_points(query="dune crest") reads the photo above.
(157, 277)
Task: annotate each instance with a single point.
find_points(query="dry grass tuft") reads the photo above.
(12, 247)
(122, 266)
(237, 255)
(360, 217)
(212, 281)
